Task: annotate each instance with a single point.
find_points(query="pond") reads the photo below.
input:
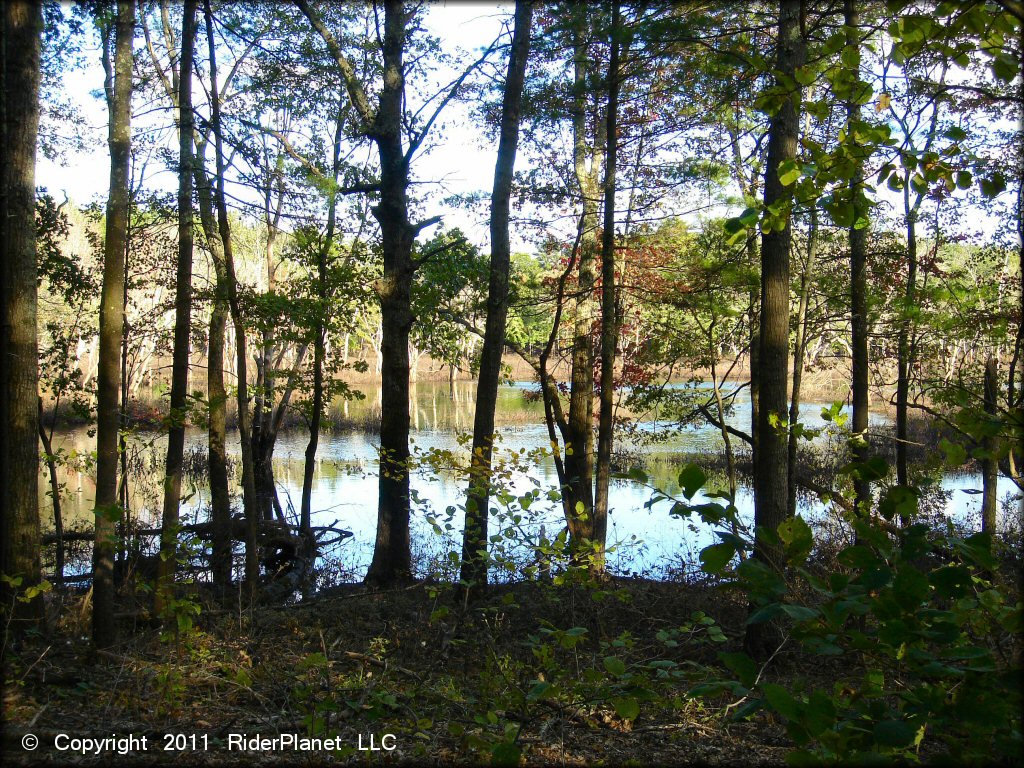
(643, 538)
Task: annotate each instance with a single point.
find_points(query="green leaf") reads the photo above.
(805, 75)
(765, 613)
(781, 701)
(955, 454)
(749, 217)
(977, 548)
(798, 612)
(797, 538)
(691, 480)
(993, 185)
(714, 558)
(950, 581)
(505, 755)
(1004, 67)
(615, 666)
(789, 172)
(626, 707)
(740, 664)
(955, 133)
(541, 689)
(850, 57)
(893, 733)
(900, 500)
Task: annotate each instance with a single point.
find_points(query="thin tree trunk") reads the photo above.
(904, 361)
(858, 283)
(263, 436)
(58, 517)
(579, 451)
(119, 91)
(167, 563)
(609, 304)
(249, 500)
(990, 465)
(799, 350)
(22, 24)
(392, 560)
(220, 497)
(319, 356)
(771, 473)
(474, 537)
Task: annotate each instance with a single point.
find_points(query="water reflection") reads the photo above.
(644, 539)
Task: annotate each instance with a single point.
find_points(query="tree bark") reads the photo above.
(772, 467)
(58, 517)
(904, 347)
(319, 354)
(392, 560)
(249, 500)
(474, 538)
(22, 24)
(990, 465)
(182, 318)
(609, 303)
(799, 350)
(220, 496)
(220, 499)
(858, 283)
(108, 417)
(578, 494)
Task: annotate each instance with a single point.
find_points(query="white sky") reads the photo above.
(463, 164)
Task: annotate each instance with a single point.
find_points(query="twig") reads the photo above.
(379, 663)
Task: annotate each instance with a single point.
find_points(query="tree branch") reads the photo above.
(355, 89)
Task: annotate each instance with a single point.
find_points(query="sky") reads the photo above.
(464, 164)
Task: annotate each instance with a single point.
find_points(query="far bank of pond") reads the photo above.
(645, 539)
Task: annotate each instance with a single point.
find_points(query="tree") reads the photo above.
(858, 264)
(609, 292)
(220, 500)
(182, 312)
(19, 364)
(474, 541)
(384, 124)
(771, 471)
(118, 89)
(249, 500)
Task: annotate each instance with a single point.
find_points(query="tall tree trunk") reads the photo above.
(904, 346)
(182, 317)
(108, 417)
(990, 465)
(858, 280)
(264, 437)
(220, 500)
(474, 536)
(58, 517)
(220, 496)
(22, 24)
(578, 495)
(799, 350)
(609, 301)
(392, 561)
(320, 352)
(249, 500)
(772, 468)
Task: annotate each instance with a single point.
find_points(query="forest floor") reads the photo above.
(446, 681)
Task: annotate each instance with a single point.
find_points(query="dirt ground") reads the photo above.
(412, 672)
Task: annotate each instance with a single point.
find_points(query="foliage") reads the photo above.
(924, 633)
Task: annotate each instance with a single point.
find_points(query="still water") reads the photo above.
(643, 538)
